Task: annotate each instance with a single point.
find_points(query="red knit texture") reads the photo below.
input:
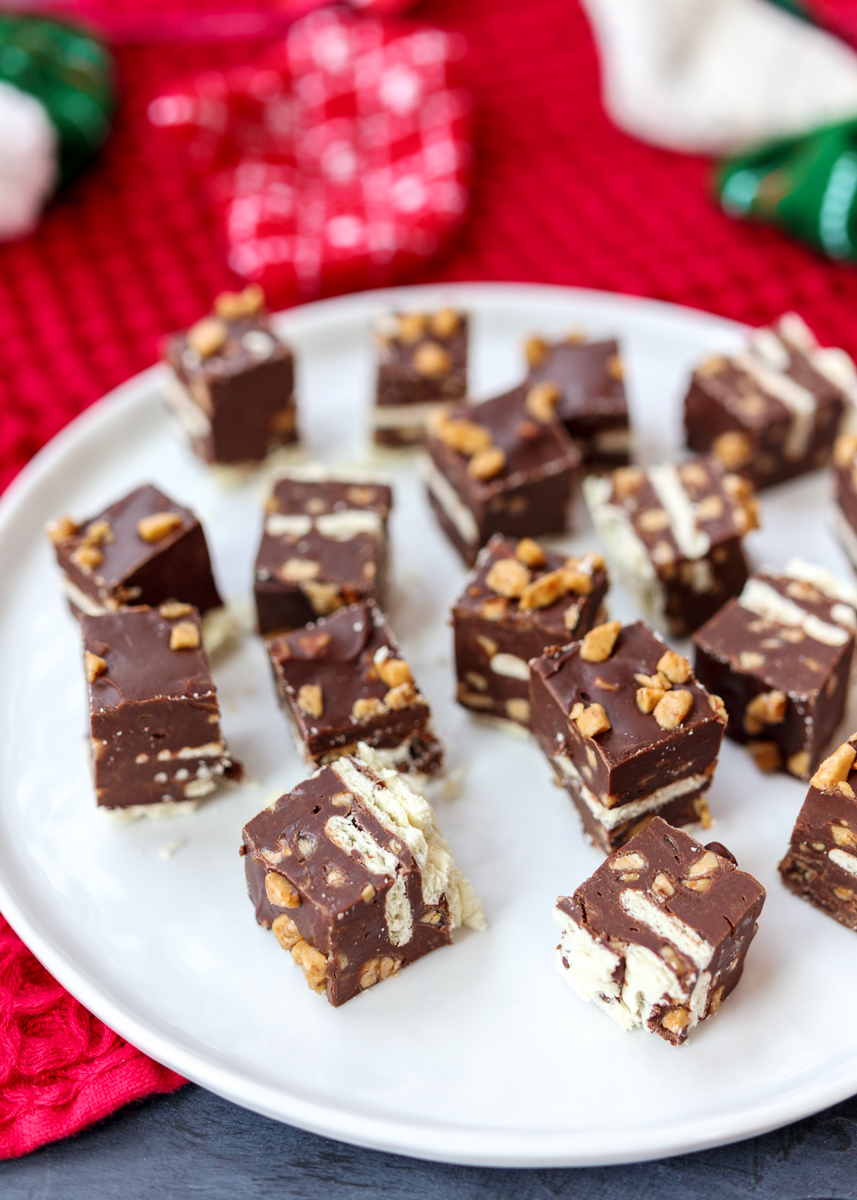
(560, 196)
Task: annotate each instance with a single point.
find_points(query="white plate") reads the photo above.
(478, 1053)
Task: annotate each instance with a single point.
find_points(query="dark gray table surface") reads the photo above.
(194, 1144)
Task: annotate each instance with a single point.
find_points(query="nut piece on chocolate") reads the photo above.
(592, 404)
(673, 536)
(155, 721)
(519, 600)
(780, 656)
(422, 366)
(143, 549)
(821, 863)
(324, 545)
(353, 876)
(232, 389)
(772, 411)
(343, 680)
(503, 466)
(627, 729)
(657, 937)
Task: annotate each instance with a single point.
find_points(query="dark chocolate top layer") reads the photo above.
(250, 341)
(135, 644)
(589, 375)
(397, 353)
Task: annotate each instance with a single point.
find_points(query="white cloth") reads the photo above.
(717, 76)
(28, 160)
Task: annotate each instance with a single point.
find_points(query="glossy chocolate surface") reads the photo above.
(400, 383)
(593, 406)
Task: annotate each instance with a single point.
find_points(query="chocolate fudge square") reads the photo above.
(233, 382)
(845, 494)
(627, 730)
(142, 549)
(780, 656)
(772, 411)
(324, 546)
(673, 535)
(593, 406)
(353, 876)
(343, 680)
(503, 466)
(422, 364)
(658, 936)
(519, 600)
(821, 863)
(155, 720)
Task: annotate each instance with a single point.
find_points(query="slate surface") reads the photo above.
(192, 1143)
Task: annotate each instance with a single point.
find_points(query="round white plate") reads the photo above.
(478, 1053)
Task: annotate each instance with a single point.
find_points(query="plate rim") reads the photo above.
(438, 1141)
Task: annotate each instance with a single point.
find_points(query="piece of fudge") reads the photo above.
(342, 680)
(155, 720)
(353, 876)
(657, 937)
(627, 730)
(780, 656)
(232, 388)
(519, 600)
(503, 466)
(142, 549)
(324, 545)
(422, 365)
(821, 863)
(592, 406)
(772, 411)
(845, 494)
(673, 535)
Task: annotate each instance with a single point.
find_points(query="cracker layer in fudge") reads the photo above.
(658, 936)
(780, 656)
(503, 466)
(422, 364)
(627, 729)
(155, 720)
(845, 494)
(342, 680)
(821, 863)
(233, 384)
(324, 545)
(772, 411)
(592, 406)
(143, 549)
(519, 600)
(673, 536)
(354, 877)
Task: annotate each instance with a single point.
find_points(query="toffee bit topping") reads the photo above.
(530, 553)
(766, 755)
(798, 764)
(719, 708)
(648, 698)
(233, 305)
(768, 708)
(184, 636)
(98, 532)
(405, 695)
(87, 557)
(171, 610)
(207, 336)
(313, 964)
(61, 529)
(94, 665)
(598, 644)
(704, 866)
(654, 520)
(592, 720)
(410, 327)
(693, 474)
(546, 590)
(614, 368)
(675, 666)
(286, 931)
(314, 642)
(832, 775)
(653, 681)
(710, 509)
(662, 886)
(445, 323)
(844, 449)
(394, 672)
(323, 597)
(310, 700)
(432, 360)
(364, 710)
(626, 481)
(368, 894)
(508, 577)
(298, 570)
(672, 708)
(487, 464)
(570, 617)
(535, 351)
(733, 450)
(280, 892)
(159, 525)
(467, 437)
(634, 861)
(541, 401)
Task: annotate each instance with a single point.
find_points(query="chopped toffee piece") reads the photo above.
(657, 937)
(780, 656)
(627, 729)
(592, 404)
(673, 535)
(155, 720)
(519, 600)
(342, 680)
(503, 466)
(144, 549)
(821, 863)
(324, 546)
(772, 411)
(233, 382)
(845, 493)
(353, 876)
(422, 366)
